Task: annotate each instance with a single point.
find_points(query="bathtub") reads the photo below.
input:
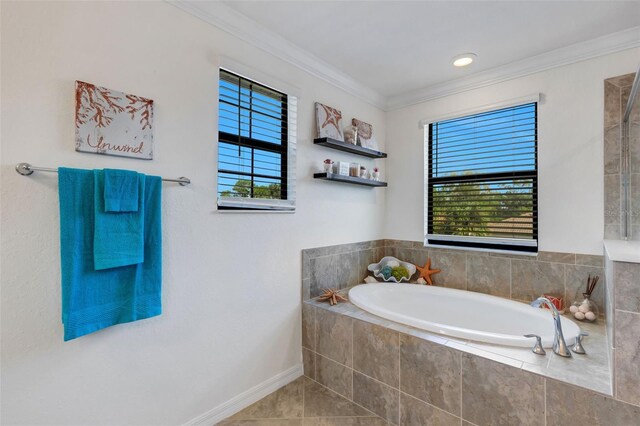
(461, 314)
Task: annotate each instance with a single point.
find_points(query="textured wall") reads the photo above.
(231, 281)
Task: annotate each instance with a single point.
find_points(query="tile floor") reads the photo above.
(304, 402)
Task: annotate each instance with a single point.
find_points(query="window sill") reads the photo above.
(485, 250)
(227, 211)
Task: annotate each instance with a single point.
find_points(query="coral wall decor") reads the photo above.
(113, 123)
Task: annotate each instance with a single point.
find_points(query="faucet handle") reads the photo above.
(577, 347)
(537, 348)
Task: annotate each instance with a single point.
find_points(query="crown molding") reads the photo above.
(229, 20)
(246, 29)
(611, 43)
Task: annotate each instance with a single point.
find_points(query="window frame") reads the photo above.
(286, 149)
(514, 245)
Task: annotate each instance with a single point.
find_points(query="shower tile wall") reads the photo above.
(616, 95)
(511, 276)
(623, 328)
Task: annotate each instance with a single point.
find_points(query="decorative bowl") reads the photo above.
(385, 261)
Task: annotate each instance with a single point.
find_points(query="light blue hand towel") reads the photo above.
(118, 239)
(92, 300)
(120, 190)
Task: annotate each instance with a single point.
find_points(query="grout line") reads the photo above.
(628, 312)
(399, 406)
(315, 342)
(437, 408)
(399, 379)
(613, 378)
(353, 349)
(375, 380)
(510, 279)
(544, 395)
(350, 400)
(564, 284)
(460, 385)
(345, 396)
(466, 272)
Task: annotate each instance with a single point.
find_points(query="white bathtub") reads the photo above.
(462, 314)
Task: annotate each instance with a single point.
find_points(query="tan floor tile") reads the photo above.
(285, 403)
(321, 402)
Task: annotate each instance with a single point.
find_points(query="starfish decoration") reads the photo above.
(333, 117)
(332, 296)
(426, 271)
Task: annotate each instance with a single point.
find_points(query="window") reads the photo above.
(254, 145)
(482, 180)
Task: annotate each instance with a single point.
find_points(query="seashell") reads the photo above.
(421, 281)
(370, 280)
(573, 309)
(387, 261)
(590, 316)
(584, 308)
(392, 264)
(579, 316)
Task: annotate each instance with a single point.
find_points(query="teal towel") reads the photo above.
(118, 239)
(121, 190)
(92, 300)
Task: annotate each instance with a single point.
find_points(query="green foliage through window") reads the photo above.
(482, 179)
(252, 139)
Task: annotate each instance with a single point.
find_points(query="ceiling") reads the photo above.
(398, 47)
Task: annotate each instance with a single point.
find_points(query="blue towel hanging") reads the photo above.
(118, 238)
(95, 299)
(121, 189)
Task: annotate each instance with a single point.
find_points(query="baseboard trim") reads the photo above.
(246, 398)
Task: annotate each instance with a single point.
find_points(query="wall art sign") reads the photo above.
(329, 121)
(113, 123)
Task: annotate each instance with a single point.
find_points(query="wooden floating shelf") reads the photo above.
(349, 179)
(347, 147)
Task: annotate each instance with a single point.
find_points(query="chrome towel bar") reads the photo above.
(26, 169)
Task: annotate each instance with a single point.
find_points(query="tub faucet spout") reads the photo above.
(559, 345)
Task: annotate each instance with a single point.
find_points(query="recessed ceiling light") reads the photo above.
(464, 59)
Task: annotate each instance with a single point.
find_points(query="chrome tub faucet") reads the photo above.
(559, 345)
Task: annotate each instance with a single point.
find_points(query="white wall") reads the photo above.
(231, 281)
(570, 151)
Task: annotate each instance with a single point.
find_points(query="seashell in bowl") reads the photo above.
(391, 261)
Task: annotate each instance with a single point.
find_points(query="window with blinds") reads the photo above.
(253, 145)
(482, 180)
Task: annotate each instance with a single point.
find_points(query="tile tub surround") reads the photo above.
(339, 266)
(518, 277)
(623, 324)
(428, 379)
(616, 94)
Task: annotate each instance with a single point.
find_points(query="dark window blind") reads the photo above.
(252, 139)
(482, 180)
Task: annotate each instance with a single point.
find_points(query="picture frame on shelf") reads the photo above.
(329, 122)
(365, 137)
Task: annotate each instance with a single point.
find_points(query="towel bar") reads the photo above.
(25, 169)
